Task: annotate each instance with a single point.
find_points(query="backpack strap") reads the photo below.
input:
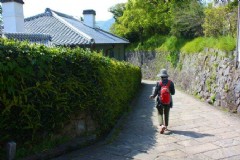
(169, 83)
(160, 83)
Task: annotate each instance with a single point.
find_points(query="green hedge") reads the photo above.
(41, 88)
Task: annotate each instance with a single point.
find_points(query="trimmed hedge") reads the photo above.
(41, 88)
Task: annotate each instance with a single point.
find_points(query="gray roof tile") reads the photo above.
(67, 30)
(32, 38)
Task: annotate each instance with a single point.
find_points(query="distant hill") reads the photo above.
(105, 25)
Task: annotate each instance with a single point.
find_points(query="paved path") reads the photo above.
(197, 131)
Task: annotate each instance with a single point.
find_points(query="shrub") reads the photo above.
(41, 88)
(149, 44)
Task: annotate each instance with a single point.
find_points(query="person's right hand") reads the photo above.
(151, 97)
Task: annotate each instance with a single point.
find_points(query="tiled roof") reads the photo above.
(67, 30)
(32, 38)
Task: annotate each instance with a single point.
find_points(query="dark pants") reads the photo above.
(163, 112)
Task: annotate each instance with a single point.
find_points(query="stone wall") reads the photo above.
(145, 60)
(211, 75)
(79, 125)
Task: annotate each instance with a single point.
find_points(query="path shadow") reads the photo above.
(133, 135)
(191, 134)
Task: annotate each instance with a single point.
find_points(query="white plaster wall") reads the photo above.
(13, 18)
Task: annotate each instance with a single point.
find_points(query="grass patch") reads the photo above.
(227, 43)
(194, 46)
(172, 44)
(163, 43)
(224, 43)
(149, 44)
(160, 43)
(213, 98)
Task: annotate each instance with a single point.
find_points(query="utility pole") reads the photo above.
(238, 34)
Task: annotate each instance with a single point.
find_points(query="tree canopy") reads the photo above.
(187, 19)
(1, 21)
(220, 21)
(141, 19)
(117, 10)
(138, 20)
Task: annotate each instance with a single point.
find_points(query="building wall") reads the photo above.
(116, 51)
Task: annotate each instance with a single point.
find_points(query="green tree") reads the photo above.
(187, 19)
(142, 19)
(220, 21)
(117, 10)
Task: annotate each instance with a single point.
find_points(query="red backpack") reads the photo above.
(165, 96)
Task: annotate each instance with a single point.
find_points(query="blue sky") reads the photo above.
(71, 7)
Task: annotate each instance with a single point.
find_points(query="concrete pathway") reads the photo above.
(198, 131)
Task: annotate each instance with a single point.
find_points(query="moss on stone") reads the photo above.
(213, 98)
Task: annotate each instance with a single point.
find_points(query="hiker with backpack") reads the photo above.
(164, 91)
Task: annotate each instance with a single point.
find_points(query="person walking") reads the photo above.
(164, 90)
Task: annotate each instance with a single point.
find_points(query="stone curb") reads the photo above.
(74, 144)
(77, 143)
(121, 120)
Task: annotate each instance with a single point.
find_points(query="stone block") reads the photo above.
(223, 153)
(80, 127)
(227, 142)
(224, 104)
(237, 88)
(213, 59)
(237, 95)
(11, 150)
(90, 125)
(209, 101)
(200, 148)
(238, 110)
(227, 71)
(206, 50)
(212, 50)
(220, 72)
(175, 154)
(217, 103)
(224, 66)
(238, 101)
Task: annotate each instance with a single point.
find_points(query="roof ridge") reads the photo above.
(37, 16)
(61, 14)
(71, 26)
(112, 34)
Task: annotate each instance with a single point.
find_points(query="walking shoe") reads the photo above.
(162, 130)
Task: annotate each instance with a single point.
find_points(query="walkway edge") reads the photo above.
(72, 145)
(79, 143)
